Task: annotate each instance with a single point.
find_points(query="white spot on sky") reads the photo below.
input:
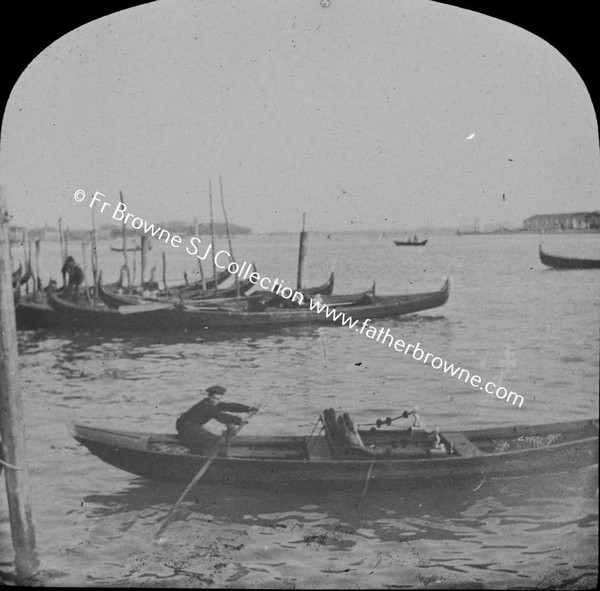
(470, 137)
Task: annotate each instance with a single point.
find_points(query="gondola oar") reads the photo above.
(196, 478)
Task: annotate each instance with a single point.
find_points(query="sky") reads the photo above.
(385, 115)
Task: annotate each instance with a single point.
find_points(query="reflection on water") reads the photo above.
(494, 528)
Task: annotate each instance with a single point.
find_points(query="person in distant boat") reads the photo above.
(73, 271)
(150, 287)
(194, 426)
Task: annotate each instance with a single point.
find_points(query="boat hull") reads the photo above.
(292, 461)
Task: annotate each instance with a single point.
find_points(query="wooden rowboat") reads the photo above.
(396, 456)
(557, 262)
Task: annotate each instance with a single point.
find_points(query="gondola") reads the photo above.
(168, 317)
(557, 262)
(113, 299)
(404, 243)
(403, 457)
(34, 312)
(375, 307)
(16, 275)
(184, 289)
(83, 315)
(209, 284)
(23, 279)
(325, 289)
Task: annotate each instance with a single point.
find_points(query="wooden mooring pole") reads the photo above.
(143, 258)
(11, 419)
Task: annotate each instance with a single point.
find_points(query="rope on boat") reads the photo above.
(9, 465)
(364, 492)
(314, 439)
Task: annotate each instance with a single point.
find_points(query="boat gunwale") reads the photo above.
(300, 439)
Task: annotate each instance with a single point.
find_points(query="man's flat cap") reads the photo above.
(216, 390)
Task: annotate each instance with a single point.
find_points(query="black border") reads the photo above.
(28, 30)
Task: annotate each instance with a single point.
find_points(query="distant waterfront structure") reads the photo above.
(563, 221)
(16, 234)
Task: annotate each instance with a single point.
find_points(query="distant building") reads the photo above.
(563, 221)
(16, 234)
(44, 233)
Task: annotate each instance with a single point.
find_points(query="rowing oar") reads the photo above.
(196, 478)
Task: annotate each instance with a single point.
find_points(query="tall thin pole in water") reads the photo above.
(12, 420)
(143, 258)
(126, 262)
(38, 280)
(301, 254)
(164, 272)
(237, 284)
(24, 245)
(202, 278)
(29, 259)
(94, 257)
(66, 242)
(63, 254)
(212, 234)
(84, 268)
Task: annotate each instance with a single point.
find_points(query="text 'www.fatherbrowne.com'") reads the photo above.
(418, 353)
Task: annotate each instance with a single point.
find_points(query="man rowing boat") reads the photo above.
(192, 424)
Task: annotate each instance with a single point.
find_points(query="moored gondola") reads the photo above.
(113, 297)
(558, 262)
(325, 289)
(182, 317)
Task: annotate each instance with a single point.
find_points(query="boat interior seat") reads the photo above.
(462, 445)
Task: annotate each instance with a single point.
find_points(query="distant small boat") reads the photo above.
(407, 243)
(557, 262)
(117, 249)
(132, 249)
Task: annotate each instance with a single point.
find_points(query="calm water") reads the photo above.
(509, 319)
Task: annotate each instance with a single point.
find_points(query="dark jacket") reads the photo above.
(75, 274)
(208, 409)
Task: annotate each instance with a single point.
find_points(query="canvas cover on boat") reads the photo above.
(342, 433)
